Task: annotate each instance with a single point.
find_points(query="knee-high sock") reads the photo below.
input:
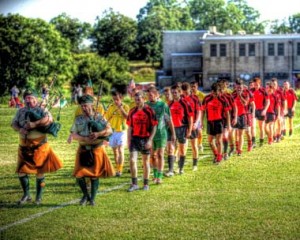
(82, 184)
(24, 180)
(40, 184)
(171, 160)
(94, 188)
(181, 162)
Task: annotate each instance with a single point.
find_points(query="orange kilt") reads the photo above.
(101, 168)
(42, 160)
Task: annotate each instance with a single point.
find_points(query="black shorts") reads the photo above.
(181, 134)
(290, 113)
(137, 144)
(270, 117)
(194, 134)
(258, 115)
(241, 122)
(214, 127)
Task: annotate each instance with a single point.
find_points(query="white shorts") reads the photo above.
(117, 139)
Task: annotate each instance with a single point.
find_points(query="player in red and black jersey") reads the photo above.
(193, 101)
(142, 124)
(213, 106)
(271, 111)
(228, 130)
(291, 99)
(250, 113)
(182, 117)
(241, 99)
(262, 103)
(279, 122)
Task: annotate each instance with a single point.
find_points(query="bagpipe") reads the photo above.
(36, 114)
(100, 125)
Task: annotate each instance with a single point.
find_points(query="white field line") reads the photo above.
(52, 209)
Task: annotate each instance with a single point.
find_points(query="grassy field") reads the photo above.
(254, 196)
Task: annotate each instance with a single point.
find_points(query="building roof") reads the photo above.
(253, 37)
(185, 54)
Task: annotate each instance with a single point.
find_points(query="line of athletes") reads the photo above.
(179, 116)
(154, 124)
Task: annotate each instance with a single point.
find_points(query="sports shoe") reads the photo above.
(24, 199)
(133, 187)
(254, 145)
(118, 174)
(195, 168)
(225, 156)
(180, 171)
(169, 174)
(146, 188)
(154, 180)
(92, 203)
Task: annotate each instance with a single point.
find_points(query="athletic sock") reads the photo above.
(155, 172)
(94, 188)
(146, 181)
(82, 184)
(181, 162)
(134, 181)
(171, 163)
(40, 184)
(24, 180)
(159, 175)
(195, 161)
(225, 145)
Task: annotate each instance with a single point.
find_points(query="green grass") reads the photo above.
(255, 196)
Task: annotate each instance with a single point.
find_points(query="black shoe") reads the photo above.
(24, 199)
(92, 203)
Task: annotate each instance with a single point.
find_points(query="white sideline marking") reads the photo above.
(24, 220)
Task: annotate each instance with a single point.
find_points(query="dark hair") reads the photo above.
(215, 87)
(185, 86)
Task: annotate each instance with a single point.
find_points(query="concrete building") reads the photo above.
(206, 56)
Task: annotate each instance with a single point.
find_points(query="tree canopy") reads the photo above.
(31, 52)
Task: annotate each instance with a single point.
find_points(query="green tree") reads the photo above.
(31, 52)
(112, 69)
(250, 21)
(155, 17)
(72, 29)
(294, 22)
(114, 32)
(292, 25)
(235, 15)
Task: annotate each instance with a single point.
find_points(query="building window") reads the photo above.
(280, 49)
(222, 50)
(242, 50)
(213, 50)
(298, 49)
(251, 49)
(271, 49)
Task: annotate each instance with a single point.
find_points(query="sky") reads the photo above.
(88, 10)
